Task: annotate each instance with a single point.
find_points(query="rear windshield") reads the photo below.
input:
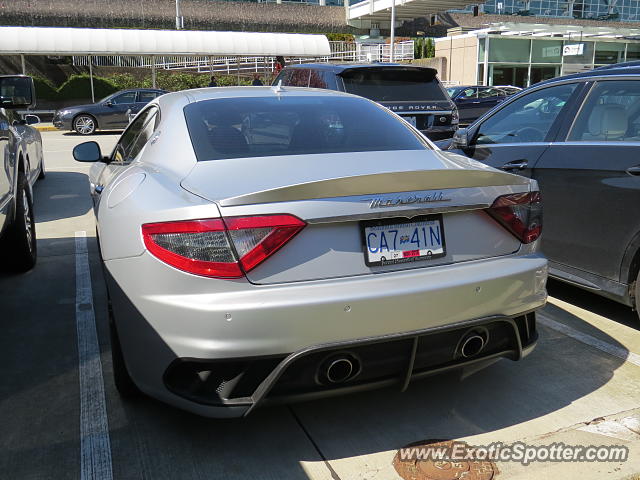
(394, 84)
(262, 127)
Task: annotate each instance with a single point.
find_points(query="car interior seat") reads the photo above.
(607, 122)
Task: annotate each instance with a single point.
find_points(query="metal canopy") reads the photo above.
(89, 41)
(376, 11)
(557, 31)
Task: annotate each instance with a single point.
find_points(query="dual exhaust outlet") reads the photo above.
(343, 367)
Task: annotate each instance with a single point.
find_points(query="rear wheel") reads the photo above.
(124, 384)
(84, 124)
(19, 242)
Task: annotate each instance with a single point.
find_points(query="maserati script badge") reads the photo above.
(408, 200)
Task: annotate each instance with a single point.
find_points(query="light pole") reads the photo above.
(393, 28)
(179, 19)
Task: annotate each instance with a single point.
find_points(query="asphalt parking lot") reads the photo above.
(580, 385)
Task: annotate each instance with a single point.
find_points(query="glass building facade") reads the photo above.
(620, 10)
(524, 61)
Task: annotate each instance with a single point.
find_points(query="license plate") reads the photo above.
(390, 242)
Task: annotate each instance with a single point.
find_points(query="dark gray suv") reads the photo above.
(414, 93)
(579, 137)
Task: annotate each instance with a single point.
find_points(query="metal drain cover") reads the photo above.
(412, 468)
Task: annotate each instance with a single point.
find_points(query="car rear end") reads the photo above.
(414, 93)
(298, 276)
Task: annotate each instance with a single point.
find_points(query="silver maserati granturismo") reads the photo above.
(266, 244)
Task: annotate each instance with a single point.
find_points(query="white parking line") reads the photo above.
(590, 340)
(95, 447)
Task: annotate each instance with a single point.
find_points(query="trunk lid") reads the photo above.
(337, 194)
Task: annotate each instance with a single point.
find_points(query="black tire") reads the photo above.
(85, 124)
(124, 383)
(42, 173)
(19, 246)
(637, 292)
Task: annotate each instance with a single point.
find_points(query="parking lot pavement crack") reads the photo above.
(627, 420)
(334, 474)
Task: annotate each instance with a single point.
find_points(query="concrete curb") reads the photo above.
(45, 128)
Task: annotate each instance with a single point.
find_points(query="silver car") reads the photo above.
(273, 244)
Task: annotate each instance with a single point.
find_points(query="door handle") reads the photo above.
(634, 170)
(515, 165)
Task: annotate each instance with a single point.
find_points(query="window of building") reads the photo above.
(546, 51)
(609, 52)
(633, 51)
(510, 50)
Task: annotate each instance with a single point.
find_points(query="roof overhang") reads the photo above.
(379, 10)
(537, 30)
(90, 41)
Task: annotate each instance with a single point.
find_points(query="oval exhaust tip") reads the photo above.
(472, 346)
(339, 370)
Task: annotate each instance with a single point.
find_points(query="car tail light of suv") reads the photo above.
(221, 248)
(455, 116)
(520, 213)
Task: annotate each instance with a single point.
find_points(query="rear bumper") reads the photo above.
(167, 317)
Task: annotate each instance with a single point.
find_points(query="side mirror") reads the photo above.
(17, 91)
(31, 119)
(108, 104)
(461, 138)
(87, 152)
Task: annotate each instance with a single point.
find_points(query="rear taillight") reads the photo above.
(455, 116)
(226, 248)
(520, 213)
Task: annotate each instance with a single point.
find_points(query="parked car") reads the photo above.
(414, 93)
(267, 244)
(22, 165)
(110, 113)
(474, 101)
(579, 137)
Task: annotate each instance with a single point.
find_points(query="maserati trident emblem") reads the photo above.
(408, 200)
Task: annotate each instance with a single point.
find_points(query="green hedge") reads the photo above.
(79, 86)
(44, 89)
(340, 37)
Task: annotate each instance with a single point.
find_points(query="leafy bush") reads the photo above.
(44, 89)
(123, 81)
(340, 37)
(79, 86)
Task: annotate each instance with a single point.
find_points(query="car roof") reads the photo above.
(341, 67)
(632, 68)
(211, 93)
(139, 90)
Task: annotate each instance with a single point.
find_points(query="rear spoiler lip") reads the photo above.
(380, 183)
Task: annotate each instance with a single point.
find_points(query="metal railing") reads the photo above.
(232, 65)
